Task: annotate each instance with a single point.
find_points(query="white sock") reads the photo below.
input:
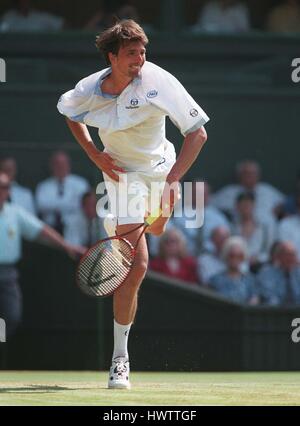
(121, 333)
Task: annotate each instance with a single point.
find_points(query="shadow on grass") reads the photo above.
(34, 389)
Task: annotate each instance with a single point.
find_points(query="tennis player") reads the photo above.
(128, 103)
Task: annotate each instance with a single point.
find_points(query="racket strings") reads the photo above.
(105, 267)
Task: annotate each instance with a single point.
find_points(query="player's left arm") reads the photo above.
(192, 145)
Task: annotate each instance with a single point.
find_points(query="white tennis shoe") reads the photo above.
(119, 374)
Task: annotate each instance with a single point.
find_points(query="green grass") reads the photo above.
(89, 388)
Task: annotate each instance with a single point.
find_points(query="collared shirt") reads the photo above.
(259, 242)
(22, 196)
(209, 264)
(240, 289)
(15, 223)
(81, 231)
(266, 198)
(51, 198)
(289, 230)
(132, 125)
(274, 284)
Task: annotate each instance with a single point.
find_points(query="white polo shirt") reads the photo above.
(132, 125)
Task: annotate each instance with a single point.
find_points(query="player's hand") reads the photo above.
(75, 252)
(106, 164)
(170, 196)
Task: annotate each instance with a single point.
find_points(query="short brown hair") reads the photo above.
(123, 32)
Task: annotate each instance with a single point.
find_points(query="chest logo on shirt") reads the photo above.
(134, 103)
(152, 94)
(194, 112)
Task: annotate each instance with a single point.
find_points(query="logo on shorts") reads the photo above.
(194, 112)
(152, 93)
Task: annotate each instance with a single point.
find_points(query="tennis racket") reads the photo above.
(106, 265)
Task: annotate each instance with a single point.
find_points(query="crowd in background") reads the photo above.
(224, 16)
(248, 249)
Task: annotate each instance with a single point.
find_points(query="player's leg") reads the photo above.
(125, 306)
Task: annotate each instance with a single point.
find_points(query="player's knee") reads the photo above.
(141, 267)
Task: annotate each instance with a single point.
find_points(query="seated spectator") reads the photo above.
(285, 17)
(233, 283)
(173, 259)
(259, 236)
(15, 224)
(227, 16)
(85, 227)
(18, 194)
(279, 281)
(248, 180)
(59, 197)
(211, 263)
(289, 228)
(24, 18)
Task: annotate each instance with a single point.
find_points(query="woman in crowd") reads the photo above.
(233, 283)
(173, 259)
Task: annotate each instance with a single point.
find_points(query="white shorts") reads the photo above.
(138, 193)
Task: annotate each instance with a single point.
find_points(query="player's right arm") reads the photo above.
(102, 160)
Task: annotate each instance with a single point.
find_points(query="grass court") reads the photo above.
(65, 388)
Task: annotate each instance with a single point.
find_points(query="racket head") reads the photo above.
(105, 266)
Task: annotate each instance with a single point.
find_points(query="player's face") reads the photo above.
(129, 60)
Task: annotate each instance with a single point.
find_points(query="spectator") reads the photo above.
(59, 197)
(173, 259)
(18, 194)
(289, 228)
(233, 283)
(85, 227)
(227, 16)
(248, 176)
(285, 17)
(259, 236)
(15, 223)
(279, 282)
(23, 18)
(211, 263)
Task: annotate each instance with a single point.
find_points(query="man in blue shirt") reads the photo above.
(279, 283)
(15, 223)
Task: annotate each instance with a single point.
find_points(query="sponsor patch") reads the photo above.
(194, 112)
(152, 93)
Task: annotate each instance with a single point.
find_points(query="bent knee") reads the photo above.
(141, 266)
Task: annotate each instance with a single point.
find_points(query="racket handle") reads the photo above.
(152, 218)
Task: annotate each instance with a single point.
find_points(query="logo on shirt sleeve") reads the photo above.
(194, 112)
(152, 93)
